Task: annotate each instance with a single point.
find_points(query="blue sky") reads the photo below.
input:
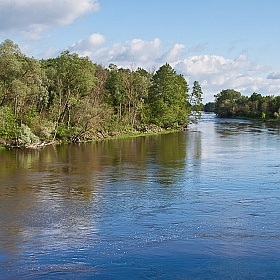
(220, 43)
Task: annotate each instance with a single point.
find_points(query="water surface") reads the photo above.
(200, 204)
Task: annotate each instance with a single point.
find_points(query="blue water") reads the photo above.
(199, 204)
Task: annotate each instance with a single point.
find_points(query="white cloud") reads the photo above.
(27, 15)
(174, 55)
(274, 76)
(34, 34)
(216, 73)
(213, 72)
(138, 52)
(202, 65)
(88, 45)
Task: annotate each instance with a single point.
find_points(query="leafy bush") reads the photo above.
(26, 136)
(7, 122)
(42, 127)
(63, 133)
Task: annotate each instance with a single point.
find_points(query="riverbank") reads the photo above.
(100, 137)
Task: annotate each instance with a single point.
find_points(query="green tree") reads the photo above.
(32, 93)
(127, 90)
(72, 82)
(195, 99)
(209, 107)
(10, 70)
(226, 103)
(242, 107)
(7, 123)
(255, 105)
(167, 98)
(275, 107)
(22, 84)
(141, 85)
(116, 91)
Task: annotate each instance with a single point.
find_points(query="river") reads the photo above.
(198, 204)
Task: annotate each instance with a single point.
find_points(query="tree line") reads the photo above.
(230, 103)
(70, 98)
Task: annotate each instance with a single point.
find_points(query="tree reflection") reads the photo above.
(62, 190)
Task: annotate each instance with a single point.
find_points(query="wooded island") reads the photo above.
(69, 98)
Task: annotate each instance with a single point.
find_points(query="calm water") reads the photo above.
(200, 204)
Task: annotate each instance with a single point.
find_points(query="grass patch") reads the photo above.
(133, 135)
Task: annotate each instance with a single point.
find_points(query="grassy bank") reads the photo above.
(103, 138)
(137, 134)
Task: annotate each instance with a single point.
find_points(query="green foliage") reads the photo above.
(63, 133)
(209, 107)
(41, 127)
(116, 90)
(195, 98)
(70, 98)
(71, 83)
(10, 70)
(167, 98)
(21, 80)
(26, 136)
(226, 103)
(230, 103)
(7, 123)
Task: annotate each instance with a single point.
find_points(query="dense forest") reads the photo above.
(69, 98)
(230, 103)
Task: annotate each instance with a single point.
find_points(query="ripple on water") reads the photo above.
(177, 206)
